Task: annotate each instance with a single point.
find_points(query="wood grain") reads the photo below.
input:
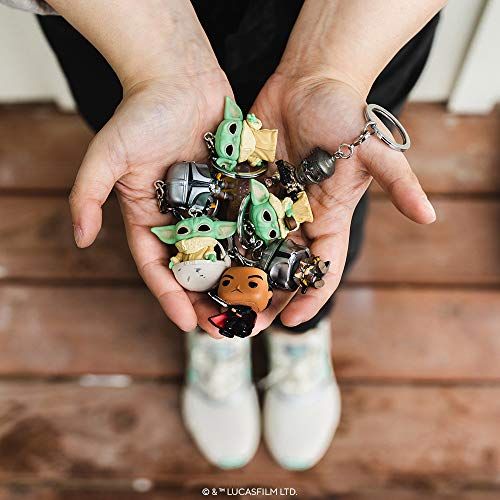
(453, 154)
(36, 241)
(423, 437)
(40, 147)
(415, 338)
(405, 334)
(49, 331)
(462, 247)
(378, 334)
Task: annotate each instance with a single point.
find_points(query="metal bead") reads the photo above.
(316, 167)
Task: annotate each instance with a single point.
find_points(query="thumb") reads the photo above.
(393, 173)
(95, 180)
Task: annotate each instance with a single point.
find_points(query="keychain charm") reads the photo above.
(264, 218)
(241, 147)
(189, 188)
(291, 266)
(239, 262)
(244, 291)
(319, 165)
(200, 259)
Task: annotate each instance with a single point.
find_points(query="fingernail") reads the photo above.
(78, 235)
(293, 322)
(430, 209)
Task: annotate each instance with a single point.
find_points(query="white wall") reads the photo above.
(454, 34)
(477, 88)
(28, 69)
(29, 72)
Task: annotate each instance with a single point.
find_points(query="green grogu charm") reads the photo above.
(195, 238)
(238, 140)
(273, 218)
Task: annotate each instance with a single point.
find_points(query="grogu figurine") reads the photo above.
(273, 218)
(238, 140)
(197, 265)
(245, 291)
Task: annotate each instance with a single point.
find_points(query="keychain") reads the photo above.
(200, 259)
(291, 266)
(320, 165)
(271, 217)
(241, 148)
(189, 188)
(257, 256)
(244, 291)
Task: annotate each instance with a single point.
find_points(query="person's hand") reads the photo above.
(318, 111)
(160, 122)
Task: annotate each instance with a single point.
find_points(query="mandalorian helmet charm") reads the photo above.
(189, 188)
(291, 266)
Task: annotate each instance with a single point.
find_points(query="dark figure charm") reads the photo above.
(245, 292)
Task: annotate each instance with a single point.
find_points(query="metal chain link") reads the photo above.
(345, 151)
(160, 196)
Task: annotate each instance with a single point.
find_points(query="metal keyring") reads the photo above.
(370, 114)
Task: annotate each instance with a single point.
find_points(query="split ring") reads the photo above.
(371, 114)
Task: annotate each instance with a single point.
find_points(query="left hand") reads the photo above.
(319, 111)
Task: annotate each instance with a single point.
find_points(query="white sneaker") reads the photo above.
(219, 402)
(302, 401)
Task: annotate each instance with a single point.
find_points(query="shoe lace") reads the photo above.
(220, 369)
(296, 369)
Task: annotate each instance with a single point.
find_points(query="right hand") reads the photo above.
(159, 122)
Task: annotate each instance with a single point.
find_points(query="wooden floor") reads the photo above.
(416, 340)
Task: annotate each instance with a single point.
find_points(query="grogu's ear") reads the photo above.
(231, 110)
(226, 164)
(167, 234)
(224, 229)
(258, 192)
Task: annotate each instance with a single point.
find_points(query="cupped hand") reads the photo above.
(318, 111)
(159, 122)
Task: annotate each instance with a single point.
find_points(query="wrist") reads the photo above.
(163, 65)
(146, 40)
(302, 72)
(349, 42)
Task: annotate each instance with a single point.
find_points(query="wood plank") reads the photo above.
(450, 154)
(462, 247)
(378, 334)
(36, 241)
(402, 436)
(405, 334)
(41, 148)
(48, 331)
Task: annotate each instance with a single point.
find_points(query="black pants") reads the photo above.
(248, 37)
